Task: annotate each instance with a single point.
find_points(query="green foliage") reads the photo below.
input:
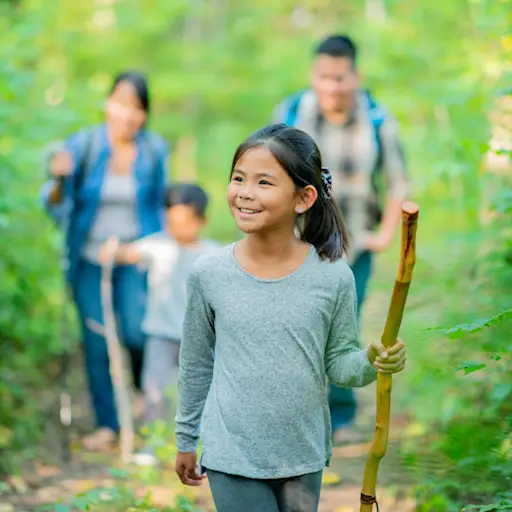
(472, 420)
(471, 423)
(119, 498)
(30, 298)
(157, 435)
(504, 504)
(461, 330)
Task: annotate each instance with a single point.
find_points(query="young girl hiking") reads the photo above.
(270, 321)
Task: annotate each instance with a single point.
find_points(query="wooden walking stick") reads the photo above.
(115, 355)
(384, 380)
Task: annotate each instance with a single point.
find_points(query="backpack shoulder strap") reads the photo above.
(377, 117)
(89, 150)
(292, 108)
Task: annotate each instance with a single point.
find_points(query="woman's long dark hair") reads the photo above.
(322, 225)
(140, 84)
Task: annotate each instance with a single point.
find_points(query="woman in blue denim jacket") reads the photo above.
(108, 181)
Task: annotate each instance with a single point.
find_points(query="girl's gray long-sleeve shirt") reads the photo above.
(256, 356)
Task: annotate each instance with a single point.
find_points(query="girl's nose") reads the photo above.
(246, 193)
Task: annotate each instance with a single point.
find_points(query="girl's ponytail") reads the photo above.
(323, 226)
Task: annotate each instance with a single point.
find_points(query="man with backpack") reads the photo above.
(360, 143)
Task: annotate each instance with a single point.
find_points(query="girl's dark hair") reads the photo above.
(322, 225)
(140, 84)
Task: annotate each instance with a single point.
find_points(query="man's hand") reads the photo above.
(186, 467)
(387, 360)
(377, 242)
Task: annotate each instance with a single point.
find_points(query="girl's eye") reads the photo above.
(237, 178)
(265, 182)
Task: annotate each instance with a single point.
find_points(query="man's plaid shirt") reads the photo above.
(351, 152)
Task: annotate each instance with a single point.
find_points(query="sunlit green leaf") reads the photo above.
(470, 367)
(462, 330)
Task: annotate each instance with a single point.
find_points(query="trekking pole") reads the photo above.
(65, 404)
(65, 409)
(63, 221)
(115, 355)
(384, 380)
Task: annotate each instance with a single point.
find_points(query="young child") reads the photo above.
(279, 312)
(169, 257)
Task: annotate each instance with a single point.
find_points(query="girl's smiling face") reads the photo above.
(261, 195)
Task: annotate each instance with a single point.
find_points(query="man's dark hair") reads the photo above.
(338, 46)
(189, 194)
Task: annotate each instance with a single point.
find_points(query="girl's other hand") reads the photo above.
(186, 467)
(387, 360)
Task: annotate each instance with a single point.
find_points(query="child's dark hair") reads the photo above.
(140, 84)
(189, 194)
(322, 225)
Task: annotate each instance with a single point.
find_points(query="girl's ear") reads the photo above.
(306, 199)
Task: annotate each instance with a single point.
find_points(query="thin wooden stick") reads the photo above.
(384, 381)
(115, 355)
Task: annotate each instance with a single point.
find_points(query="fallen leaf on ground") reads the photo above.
(18, 484)
(415, 430)
(44, 470)
(329, 478)
(49, 494)
(160, 496)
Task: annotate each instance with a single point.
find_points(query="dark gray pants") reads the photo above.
(236, 493)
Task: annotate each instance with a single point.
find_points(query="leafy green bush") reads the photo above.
(472, 422)
(30, 294)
